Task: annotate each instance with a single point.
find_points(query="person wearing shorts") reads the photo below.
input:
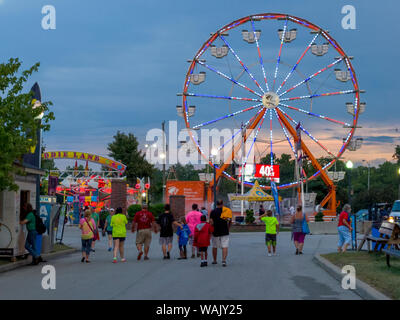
(220, 237)
(143, 223)
(118, 225)
(271, 229)
(297, 229)
(344, 228)
(166, 221)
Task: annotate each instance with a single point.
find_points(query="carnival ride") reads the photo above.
(274, 92)
(89, 187)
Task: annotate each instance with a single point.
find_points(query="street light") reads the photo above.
(214, 153)
(369, 170)
(349, 165)
(399, 183)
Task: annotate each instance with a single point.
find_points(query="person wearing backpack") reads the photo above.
(166, 220)
(30, 243)
(40, 229)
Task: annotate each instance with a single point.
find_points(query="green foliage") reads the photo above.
(396, 154)
(319, 217)
(124, 148)
(18, 125)
(249, 216)
(155, 209)
(132, 209)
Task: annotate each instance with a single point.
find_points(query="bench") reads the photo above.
(391, 252)
(388, 231)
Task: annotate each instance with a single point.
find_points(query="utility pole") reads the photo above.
(164, 157)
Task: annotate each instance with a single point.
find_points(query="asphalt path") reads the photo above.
(250, 273)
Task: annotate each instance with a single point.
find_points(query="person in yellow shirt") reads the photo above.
(271, 229)
(118, 225)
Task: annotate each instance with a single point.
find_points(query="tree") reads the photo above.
(18, 124)
(124, 148)
(397, 154)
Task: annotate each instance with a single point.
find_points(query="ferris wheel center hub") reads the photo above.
(270, 100)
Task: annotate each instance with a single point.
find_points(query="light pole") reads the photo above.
(369, 172)
(214, 153)
(349, 165)
(399, 183)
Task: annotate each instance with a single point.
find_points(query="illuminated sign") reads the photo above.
(267, 171)
(86, 157)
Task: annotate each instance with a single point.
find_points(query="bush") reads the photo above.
(132, 209)
(319, 217)
(155, 209)
(249, 216)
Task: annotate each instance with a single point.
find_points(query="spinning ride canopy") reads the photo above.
(256, 194)
(271, 96)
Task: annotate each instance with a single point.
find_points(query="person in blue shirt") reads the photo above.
(183, 233)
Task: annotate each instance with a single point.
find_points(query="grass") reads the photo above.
(372, 269)
(60, 247)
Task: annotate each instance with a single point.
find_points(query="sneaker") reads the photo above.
(123, 260)
(300, 252)
(168, 256)
(214, 262)
(275, 254)
(83, 259)
(202, 264)
(224, 263)
(87, 261)
(297, 251)
(165, 258)
(140, 255)
(269, 255)
(114, 260)
(205, 263)
(109, 249)
(146, 258)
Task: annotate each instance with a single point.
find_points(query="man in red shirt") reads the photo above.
(344, 229)
(143, 223)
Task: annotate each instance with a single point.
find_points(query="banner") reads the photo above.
(274, 190)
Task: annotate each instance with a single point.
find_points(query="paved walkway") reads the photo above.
(250, 274)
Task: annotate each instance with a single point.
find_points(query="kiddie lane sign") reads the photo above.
(84, 156)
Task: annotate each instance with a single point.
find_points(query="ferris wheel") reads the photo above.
(286, 81)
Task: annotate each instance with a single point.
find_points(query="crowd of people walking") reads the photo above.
(196, 230)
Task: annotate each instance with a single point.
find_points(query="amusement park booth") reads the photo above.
(12, 234)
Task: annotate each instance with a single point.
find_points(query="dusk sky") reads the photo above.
(117, 65)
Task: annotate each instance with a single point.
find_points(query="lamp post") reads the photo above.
(399, 183)
(214, 153)
(349, 165)
(369, 172)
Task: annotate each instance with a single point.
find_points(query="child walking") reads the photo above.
(202, 235)
(271, 229)
(183, 234)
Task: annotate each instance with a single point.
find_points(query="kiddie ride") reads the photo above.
(80, 188)
(265, 89)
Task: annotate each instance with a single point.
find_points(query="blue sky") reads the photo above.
(117, 65)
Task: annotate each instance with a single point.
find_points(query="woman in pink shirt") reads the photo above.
(193, 218)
